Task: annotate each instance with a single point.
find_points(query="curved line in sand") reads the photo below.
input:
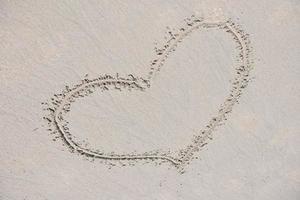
(88, 152)
(135, 83)
(221, 116)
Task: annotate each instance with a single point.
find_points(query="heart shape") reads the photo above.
(61, 103)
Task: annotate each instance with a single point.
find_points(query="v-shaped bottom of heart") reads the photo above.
(61, 103)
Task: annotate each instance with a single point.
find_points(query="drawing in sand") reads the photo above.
(61, 103)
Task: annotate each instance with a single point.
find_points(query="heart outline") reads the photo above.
(61, 103)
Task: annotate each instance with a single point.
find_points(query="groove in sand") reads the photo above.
(61, 103)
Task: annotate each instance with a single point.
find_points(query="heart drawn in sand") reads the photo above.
(61, 103)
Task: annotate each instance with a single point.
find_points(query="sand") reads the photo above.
(149, 100)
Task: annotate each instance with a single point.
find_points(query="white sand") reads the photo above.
(45, 45)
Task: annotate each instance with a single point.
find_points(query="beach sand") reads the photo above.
(216, 116)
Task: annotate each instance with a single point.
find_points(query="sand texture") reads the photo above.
(154, 100)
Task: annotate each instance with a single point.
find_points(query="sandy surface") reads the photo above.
(47, 45)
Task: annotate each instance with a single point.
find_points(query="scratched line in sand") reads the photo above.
(61, 103)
